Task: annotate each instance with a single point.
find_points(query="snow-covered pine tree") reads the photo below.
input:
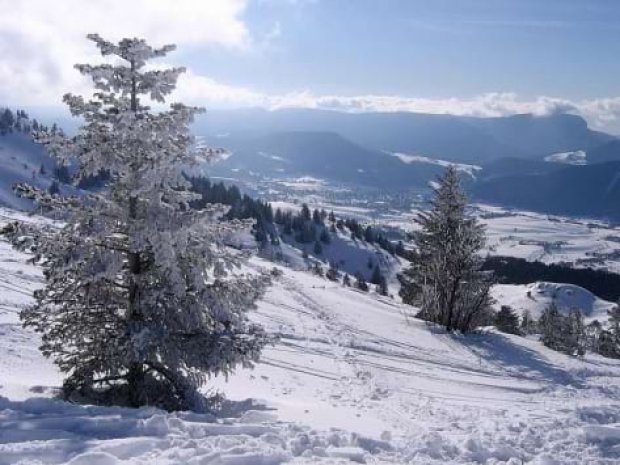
(609, 342)
(507, 321)
(574, 333)
(382, 287)
(317, 269)
(376, 276)
(445, 278)
(614, 321)
(593, 332)
(324, 236)
(563, 333)
(143, 301)
(318, 248)
(332, 273)
(360, 282)
(551, 326)
(527, 323)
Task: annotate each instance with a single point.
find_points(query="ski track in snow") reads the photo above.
(350, 380)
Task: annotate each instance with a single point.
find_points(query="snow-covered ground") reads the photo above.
(353, 379)
(552, 239)
(580, 242)
(540, 237)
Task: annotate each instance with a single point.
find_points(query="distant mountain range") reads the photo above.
(454, 138)
(519, 161)
(603, 153)
(591, 190)
(325, 155)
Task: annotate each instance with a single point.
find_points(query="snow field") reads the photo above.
(539, 237)
(353, 378)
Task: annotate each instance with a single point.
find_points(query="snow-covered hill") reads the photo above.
(351, 256)
(352, 379)
(21, 161)
(536, 297)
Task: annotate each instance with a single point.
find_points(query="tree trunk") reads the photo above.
(135, 384)
(133, 257)
(135, 375)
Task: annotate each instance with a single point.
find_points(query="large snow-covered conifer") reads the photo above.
(445, 278)
(143, 300)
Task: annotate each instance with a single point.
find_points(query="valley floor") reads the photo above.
(353, 378)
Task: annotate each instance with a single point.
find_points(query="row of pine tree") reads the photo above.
(565, 333)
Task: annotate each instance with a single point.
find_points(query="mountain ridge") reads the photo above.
(450, 137)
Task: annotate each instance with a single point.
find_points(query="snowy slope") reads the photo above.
(20, 161)
(536, 297)
(352, 379)
(351, 256)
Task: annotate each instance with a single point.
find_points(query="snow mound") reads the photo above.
(536, 297)
(51, 431)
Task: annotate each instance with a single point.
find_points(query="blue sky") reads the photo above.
(476, 57)
(431, 48)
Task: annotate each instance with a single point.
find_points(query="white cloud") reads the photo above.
(602, 114)
(488, 105)
(201, 90)
(40, 40)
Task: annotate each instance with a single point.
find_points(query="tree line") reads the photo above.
(565, 333)
(18, 121)
(316, 227)
(242, 206)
